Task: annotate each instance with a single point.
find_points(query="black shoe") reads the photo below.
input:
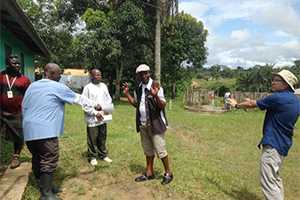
(48, 196)
(55, 189)
(167, 178)
(45, 185)
(144, 177)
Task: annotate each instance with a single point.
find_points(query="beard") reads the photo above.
(13, 71)
(96, 81)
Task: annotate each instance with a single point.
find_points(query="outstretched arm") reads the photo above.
(247, 103)
(130, 99)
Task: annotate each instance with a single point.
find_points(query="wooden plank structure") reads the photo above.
(198, 97)
(240, 96)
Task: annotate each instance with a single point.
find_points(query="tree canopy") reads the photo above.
(117, 35)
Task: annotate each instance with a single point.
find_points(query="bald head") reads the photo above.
(52, 71)
(96, 76)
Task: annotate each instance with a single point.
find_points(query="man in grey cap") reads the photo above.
(151, 122)
(283, 109)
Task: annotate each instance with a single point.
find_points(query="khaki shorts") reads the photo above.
(153, 143)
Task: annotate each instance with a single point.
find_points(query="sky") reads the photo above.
(249, 32)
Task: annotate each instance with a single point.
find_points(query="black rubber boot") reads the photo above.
(46, 187)
(55, 189)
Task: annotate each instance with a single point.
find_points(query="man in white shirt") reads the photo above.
(96, 120)
(227, 105)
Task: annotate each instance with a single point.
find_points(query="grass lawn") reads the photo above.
(6, 150)
(213, 156)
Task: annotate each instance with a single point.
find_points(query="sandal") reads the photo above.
(15, 162)
(144, 177)
(167, 178)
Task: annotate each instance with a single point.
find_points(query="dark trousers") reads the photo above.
(96, 139)
(45, 155)
(11, 128)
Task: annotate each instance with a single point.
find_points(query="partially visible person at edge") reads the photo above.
(151, 122)
(283, 109)
(96, 124)
(227, 105)
(43, 122)
(12, 87)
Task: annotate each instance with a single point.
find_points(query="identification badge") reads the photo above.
(10, 94)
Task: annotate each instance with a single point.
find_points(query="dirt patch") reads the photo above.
(104, 187)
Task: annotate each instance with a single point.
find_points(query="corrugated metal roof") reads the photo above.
(13, 17)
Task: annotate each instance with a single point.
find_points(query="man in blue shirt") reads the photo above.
(43, 122)
(283, 109)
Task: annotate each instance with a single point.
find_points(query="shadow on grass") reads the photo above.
(32, 186)
(238, 194)
(136, 168)
(84, 155)
(61, 174)
(139, 169)
(6, 151)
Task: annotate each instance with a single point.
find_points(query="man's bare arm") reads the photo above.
(130, 99)
(247, 103)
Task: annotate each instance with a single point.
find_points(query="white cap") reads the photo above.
(142, 68)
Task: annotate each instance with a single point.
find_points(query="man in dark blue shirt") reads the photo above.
(283, 109)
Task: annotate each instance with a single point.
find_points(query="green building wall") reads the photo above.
(18, 47)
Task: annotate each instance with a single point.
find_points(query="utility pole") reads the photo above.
(169, 7)
(157, 43)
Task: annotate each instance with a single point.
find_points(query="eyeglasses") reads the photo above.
(277, 80)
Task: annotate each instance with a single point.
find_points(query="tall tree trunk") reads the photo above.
(173, 90)
(119, 74)
(176, 7)
(157, 42)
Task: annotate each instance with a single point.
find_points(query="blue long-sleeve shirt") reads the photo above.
(43, 109)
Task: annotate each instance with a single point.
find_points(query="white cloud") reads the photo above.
(292, 45)
(240, 35)
(283, 64)
(247, 46)
(279, 54)
(281, 33)
(195, 9)
(281, 16)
